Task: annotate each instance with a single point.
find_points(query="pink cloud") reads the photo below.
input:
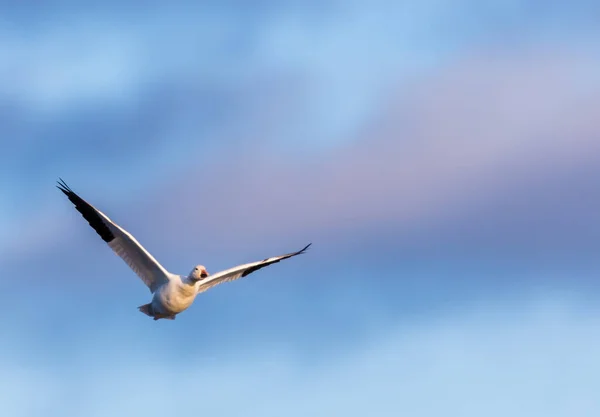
(489, 123)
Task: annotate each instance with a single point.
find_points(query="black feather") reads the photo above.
(87, 211)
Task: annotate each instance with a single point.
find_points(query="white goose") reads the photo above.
(172, 293)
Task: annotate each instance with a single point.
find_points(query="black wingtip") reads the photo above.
(301, 251)
(87, 211)
(62, 186)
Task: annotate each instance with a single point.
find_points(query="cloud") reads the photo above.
(442, 152)
(437, 154)
(49, 71)
(519, 358)
(72, 58)
(470, 157)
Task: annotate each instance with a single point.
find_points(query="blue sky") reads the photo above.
(441, 156)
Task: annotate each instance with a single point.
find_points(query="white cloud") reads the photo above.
(520, 359)
(70, 64)
(80, 59)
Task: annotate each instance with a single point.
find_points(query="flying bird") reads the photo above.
(172, 293)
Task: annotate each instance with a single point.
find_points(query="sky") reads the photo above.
(441, 156)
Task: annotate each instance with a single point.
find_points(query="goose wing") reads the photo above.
(152, 273)
(241, 271)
